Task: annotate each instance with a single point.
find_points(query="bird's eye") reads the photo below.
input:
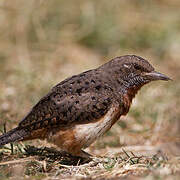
(137, 67)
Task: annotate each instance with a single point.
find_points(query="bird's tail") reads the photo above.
(13, 135)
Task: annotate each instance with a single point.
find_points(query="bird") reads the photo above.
(82, 108)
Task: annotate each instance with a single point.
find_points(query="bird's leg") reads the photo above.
(85, 154)
(86, 157)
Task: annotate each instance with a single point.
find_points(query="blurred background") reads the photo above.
(42, 42)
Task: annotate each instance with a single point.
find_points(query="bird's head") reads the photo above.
(138, 71)
(134, 71)
(131, 72)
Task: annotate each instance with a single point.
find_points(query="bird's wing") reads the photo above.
(79, 108)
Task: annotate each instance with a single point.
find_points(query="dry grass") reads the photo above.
(43, 42)
(47, 163)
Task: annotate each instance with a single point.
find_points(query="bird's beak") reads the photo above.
(153, 76)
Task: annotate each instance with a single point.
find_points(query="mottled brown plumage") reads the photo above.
(81, 108)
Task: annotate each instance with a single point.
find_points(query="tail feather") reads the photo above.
(13, 135)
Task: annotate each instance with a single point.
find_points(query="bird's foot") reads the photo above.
(84, 157)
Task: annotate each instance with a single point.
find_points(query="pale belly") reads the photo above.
(88, 133)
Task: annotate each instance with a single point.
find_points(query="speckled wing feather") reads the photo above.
(87, 101)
